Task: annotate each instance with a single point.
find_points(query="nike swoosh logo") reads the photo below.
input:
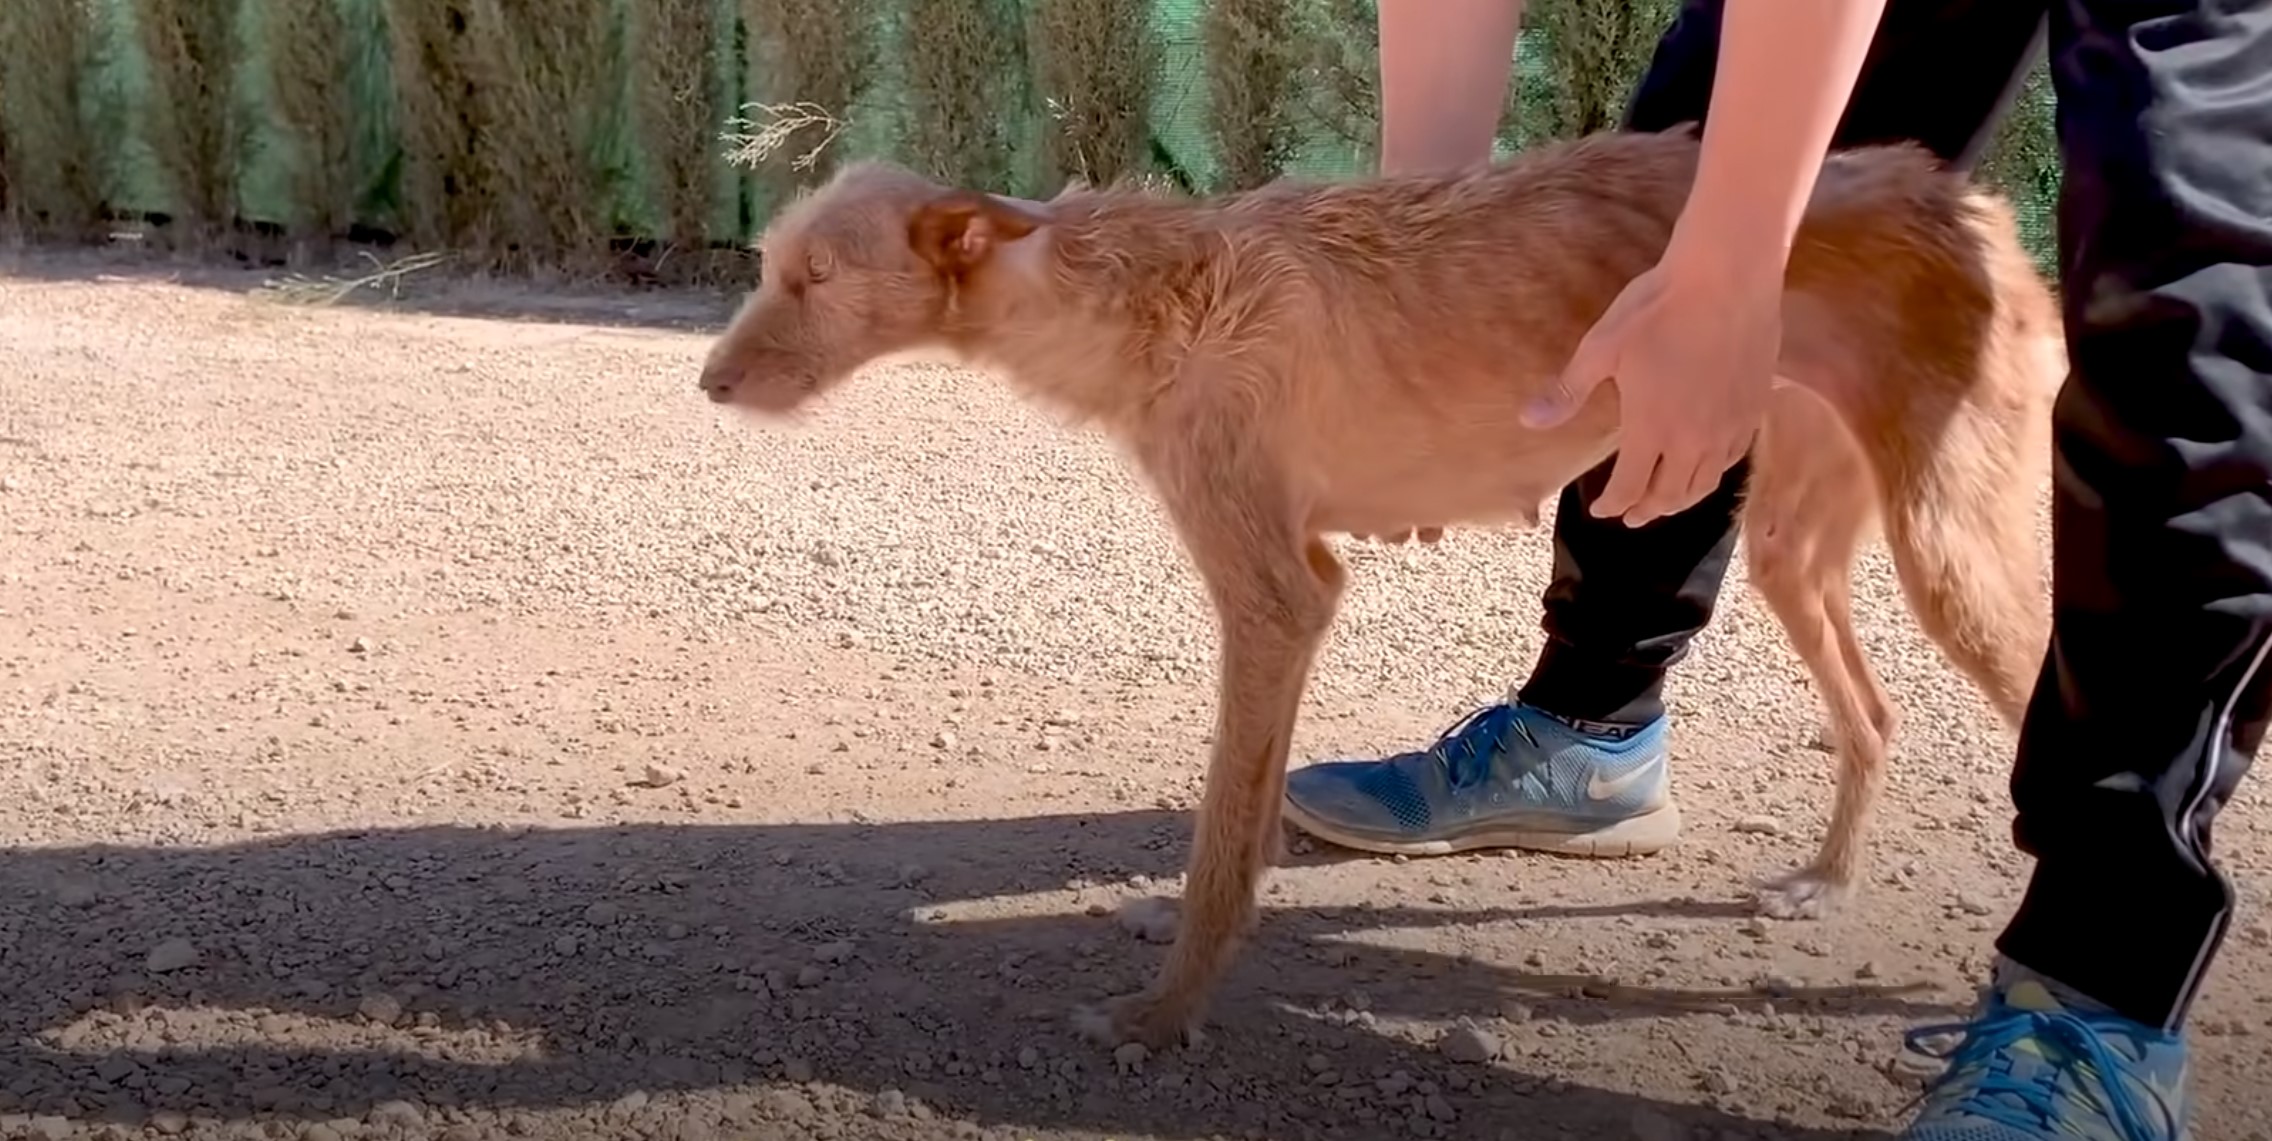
(1599, 789)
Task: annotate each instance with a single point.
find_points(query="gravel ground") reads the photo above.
(441, 726)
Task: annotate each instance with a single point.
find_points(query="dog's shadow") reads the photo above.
(315, 977)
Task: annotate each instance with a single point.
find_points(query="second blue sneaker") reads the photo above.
(2035, 1065)
(1508, 776)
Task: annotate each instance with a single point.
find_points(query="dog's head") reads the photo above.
(871, 265)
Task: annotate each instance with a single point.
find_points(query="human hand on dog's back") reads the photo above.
(1692, 343)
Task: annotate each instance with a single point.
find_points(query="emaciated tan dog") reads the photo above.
(1304, 360)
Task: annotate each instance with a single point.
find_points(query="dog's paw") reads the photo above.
(1802, 894)
(1142, 1018)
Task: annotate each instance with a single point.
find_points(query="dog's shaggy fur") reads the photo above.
(1304, 360)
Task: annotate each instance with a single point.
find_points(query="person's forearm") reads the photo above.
(1443, 75)
(1785, 72)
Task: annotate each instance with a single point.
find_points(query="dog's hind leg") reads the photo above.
(1964, 537)
(1275, 588)
(1809, 510)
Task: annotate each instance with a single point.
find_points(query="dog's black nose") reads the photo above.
(719, 382)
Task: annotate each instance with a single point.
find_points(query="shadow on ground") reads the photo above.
(598, 967)
(438, 292)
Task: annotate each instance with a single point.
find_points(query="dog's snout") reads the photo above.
(718, 379)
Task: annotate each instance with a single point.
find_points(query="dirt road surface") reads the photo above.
(422, 725)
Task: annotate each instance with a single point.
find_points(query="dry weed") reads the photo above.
(57, 120)
(764, 130)
(1254, 51)
(193, 122)
(675, 70)
(309, 62)
(962, 60)
(330, 289)
(810, 59)
(1096, 66)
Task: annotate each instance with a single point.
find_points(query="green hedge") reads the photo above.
(1308, 105)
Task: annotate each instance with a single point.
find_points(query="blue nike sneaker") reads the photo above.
(1506, 776)
(2031, 1067)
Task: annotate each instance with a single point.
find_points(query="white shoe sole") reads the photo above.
(1640, 835)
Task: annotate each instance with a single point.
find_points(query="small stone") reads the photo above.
(171, 955)
(169, 1123)
(944, 740)
(321, 1131)
(1868, 970)
(787, 1104)
(397, 1114)
(1761, 825)
(1972, 904)
(1129, 1055)
(1150, 919)
(359, 646)
(1849, 1106)
(661, 776)
(1469, 1045)
(628, 1105)
(603, 913)
(811, 975)
(832, 952)
(50, 1129)
(891, 1103)
(380, 1007)
(797, 1070)
(1715, 1082)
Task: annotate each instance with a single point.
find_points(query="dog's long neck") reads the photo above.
(1096, 316)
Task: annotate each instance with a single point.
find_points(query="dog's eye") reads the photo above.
(816, 269)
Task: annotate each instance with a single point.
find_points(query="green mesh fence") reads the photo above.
(2022, 162)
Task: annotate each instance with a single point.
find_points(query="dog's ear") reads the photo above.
(957, 231)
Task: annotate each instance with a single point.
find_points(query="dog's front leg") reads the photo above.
(1275, 589)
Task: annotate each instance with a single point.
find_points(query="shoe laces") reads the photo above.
(2075, 1062)
(1465, 750)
